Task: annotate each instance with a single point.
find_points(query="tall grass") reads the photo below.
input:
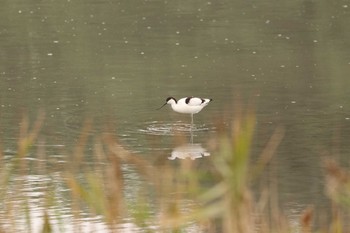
(167, 198)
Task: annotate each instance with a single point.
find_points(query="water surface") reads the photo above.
(115, 62)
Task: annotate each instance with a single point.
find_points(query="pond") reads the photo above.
(108, 65)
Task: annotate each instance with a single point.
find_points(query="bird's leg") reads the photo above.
(191, 137)
(191, 121)
(191, 129)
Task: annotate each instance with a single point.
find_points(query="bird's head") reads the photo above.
(169, 100)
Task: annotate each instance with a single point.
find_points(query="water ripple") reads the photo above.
(173, 128)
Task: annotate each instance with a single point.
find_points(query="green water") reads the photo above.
(117, 61)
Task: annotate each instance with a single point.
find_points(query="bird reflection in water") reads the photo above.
(190, 150)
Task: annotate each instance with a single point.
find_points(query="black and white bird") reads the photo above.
(187, 105)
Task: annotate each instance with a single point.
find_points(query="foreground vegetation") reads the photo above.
(91, 193)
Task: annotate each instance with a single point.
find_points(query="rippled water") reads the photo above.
(172, 128)
(106, 66)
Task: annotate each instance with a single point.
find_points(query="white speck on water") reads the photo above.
(113, 78)
(49, 54)
(347, 118)
(345, 6)
(315, 41)
(254, 52)
(149, 27)
(293, 101)
(177, 43)
(126, 42)
(177, 32)
(142, 53)
(195, 57)
(19, 11)
(55, 41)
(267, 21)
(282, 66)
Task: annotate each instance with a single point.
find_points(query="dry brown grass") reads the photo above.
(169, 197)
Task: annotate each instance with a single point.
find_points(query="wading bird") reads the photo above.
(189, 105)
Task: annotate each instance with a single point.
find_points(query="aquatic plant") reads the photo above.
(169, 196)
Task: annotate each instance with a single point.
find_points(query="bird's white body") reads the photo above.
(189, 105)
